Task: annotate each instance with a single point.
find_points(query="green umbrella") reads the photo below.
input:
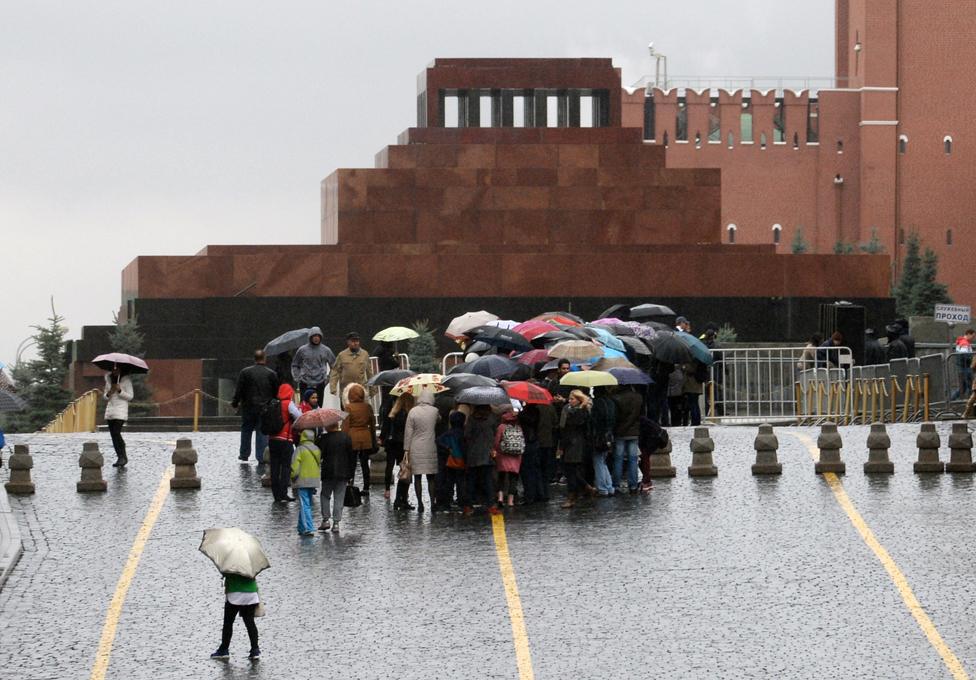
(395, 334)
(588, 379)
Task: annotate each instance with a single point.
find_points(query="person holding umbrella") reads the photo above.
(118, 391)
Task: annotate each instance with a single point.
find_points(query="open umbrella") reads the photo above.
(608, 339)
(650, 309)
(126, 362)
(635, 347)
(418, 383)
(462, 324)
(396, 334)
(287, 341)
(234, 551)
(11, 402)
(503, 323)
(588, 379)
(698, 349)
(576, 350)
(483, 395)
(457, 382)
(618, 311)
(319, 418)
(493, 366)
(389, 378)
(614, 362)
(532, 328)
(502, 338)
(667, 348)
(658, 326)
(527, 392)
(640, 330)
(565, 318)
(630, 376)
(550, 366)
(552, 337)
(533, 357)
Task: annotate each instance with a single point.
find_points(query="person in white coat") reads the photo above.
(118, 392)
(420, 447)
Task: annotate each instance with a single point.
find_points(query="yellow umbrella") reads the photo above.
(395, 334)
(588, 379)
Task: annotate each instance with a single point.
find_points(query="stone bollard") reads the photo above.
(960, 450)
(878, 444)
(702, 446)
(185, 460)
(766, 444)
(20, 464)
(928, 443)
(377, 468)
(659, 463)
(829, 442)
(91, 462)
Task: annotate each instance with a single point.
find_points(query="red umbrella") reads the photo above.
(564, 318)
(533, 357)
(532, 328)
(527, 392)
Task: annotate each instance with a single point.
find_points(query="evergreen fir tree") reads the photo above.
(41, 381)
(910, 276)
(423, 349)
(127, 338)
(799, 244)
(928, 292)
(841, 248)
(874, 246)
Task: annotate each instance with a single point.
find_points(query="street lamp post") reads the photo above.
(659, 61)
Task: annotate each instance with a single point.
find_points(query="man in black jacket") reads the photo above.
(256, 385)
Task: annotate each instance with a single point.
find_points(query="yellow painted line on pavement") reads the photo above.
(521, 639)
(104, 653)
(897, 576)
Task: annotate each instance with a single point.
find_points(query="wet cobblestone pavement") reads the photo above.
(728, 577)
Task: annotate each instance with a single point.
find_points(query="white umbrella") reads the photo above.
(234, 551)
(461, 324)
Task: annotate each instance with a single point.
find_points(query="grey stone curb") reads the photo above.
(11, 546)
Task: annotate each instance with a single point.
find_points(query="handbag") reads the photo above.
(259, 610)
(354, 497)
(406, 471)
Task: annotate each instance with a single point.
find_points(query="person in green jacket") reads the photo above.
(242, 598)
(305, 469)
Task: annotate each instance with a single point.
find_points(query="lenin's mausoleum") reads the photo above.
(536, 184)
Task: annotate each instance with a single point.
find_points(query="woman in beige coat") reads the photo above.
(419, 445)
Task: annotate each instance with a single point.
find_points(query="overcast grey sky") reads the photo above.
(132, 127)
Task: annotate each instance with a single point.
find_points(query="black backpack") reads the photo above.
(701, 372)
(272, 422)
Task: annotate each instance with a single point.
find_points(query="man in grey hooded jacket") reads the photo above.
(310, 367)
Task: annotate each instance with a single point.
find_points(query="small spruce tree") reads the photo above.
(423, 349)
(127, 338)
(841, 248)
(910, 276)
(41, 381)
(928, 292)
(874, 246)
(799, 244)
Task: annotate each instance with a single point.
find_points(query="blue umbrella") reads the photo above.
(608, 339)
(630, 376)
(697, 347)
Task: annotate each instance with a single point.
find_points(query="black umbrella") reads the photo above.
(502, 338)
(389, 378)
(484, 395)
(634, 346)
(667, 348)
(287, 342)
(493, 366)
(462, 381)
(658, 326)
(621, 312)
(11, 402)
(552, 337)
(649, 310)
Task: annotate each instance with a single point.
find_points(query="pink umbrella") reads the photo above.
(319, 418)
(532, 328)
(126, 363)
(611, 321)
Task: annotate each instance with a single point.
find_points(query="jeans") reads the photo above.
(333, 496)
(622, 448)
(115, 429)
(480, 485)
(230, 613)
(533, 486)
(281, 451)
(306, 498)
(601, 474)
(251, 424)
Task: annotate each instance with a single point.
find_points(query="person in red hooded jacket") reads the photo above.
(280, 446)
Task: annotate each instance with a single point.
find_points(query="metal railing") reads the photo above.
(78, 416)
(732, 83)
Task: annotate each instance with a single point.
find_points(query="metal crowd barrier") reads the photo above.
(78, 416)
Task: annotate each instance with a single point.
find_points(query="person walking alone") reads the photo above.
(305, 471)
(241, 597)
(351, 366)
(118, 392)
(311, 363)
(256, 386)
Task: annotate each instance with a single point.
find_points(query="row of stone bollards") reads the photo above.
(91, 462)
(830, 444)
